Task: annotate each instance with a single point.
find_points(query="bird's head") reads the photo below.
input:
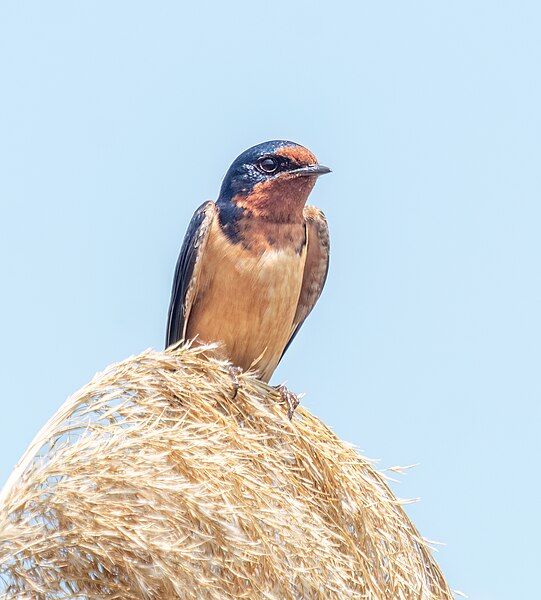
(272, 180)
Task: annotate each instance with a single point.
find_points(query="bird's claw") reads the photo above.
(235, 372)
(291, 399)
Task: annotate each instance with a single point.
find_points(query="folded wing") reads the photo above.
(187, 272)
(316, 266)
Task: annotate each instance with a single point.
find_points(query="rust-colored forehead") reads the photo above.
(297, 154)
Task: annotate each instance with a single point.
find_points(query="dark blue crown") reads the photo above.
(243, 174)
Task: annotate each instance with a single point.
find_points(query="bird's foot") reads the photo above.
(291, 399)
(235, 372)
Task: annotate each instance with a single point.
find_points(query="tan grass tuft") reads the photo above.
(151, 482)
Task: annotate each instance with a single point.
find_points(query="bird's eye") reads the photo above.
(269, 164)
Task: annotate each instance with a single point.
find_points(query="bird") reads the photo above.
(254, 262)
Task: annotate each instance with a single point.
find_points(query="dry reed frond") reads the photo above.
(151, 482)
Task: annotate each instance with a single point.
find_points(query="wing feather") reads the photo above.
(316, 266)
(187, 272)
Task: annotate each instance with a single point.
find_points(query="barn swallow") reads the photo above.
(253, 263)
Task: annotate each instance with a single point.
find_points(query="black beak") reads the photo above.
(316, 170)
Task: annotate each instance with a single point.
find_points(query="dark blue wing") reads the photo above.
(187, 272)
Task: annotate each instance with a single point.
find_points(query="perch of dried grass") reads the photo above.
(152, 482)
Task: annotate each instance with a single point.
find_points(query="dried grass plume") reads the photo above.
(152, 482)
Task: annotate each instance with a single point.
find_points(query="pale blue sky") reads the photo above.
(117, 119)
